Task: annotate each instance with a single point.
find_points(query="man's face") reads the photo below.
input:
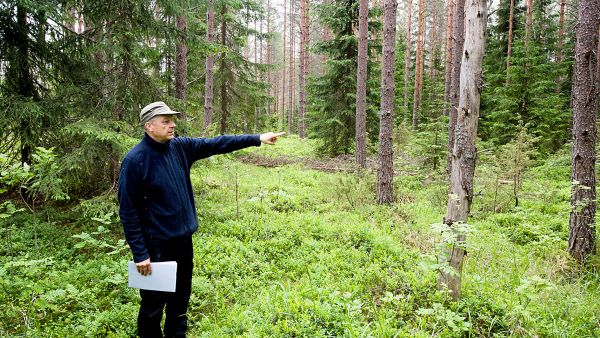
(161, 128)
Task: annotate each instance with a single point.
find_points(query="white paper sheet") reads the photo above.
(163, 277)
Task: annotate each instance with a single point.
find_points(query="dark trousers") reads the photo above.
(153, 302)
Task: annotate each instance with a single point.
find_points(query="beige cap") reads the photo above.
(154, 109)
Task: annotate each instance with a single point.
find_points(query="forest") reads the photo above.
(437, 177)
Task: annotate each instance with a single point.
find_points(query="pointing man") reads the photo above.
(158, 212)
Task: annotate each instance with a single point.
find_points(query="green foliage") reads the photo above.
(535, 89)
(38, 183)
(332, 96)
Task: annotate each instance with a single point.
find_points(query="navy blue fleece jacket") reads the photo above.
(155, 192)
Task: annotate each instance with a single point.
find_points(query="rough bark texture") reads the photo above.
(458, 28)
(582, 231)
(407, 57)
(283, 71)
(418, 90)
(209, 67)
(449, 49)
(559, 43)
(290, 116)
(223, 127)
(304, 40)
(464, 152)
(510, 35)
(361, 86)
(385, 171)
(273, 85)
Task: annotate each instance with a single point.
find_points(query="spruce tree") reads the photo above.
(332, 96)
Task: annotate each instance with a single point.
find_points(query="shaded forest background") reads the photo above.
(75, 74)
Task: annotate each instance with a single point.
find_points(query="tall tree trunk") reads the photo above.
(449, 51)
(209, 67)
(181, 64)
(559, 43)
(385, 170)
(582, 228)
(169, 59)
(269, 44)
(292, 36)
(407, 53)
(432, 51)
(528, 22)
(361, 86)
(304, 37)
(283, 71)
(255, 42)
(464, 152)
(458, 31)
(223, 128)
(419, 65)
(510, 37)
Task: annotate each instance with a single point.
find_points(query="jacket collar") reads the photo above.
(155, 144)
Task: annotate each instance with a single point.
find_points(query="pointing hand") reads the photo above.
(270, 137)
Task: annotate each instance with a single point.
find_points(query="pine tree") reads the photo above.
(361, 86)
(586, 89)
(385, 169)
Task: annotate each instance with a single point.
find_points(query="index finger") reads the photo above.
(279, 134)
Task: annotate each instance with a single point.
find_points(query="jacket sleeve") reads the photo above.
(130, 196)
(199, 148)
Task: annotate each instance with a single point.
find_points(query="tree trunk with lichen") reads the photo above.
(464, 152)
(582, 231)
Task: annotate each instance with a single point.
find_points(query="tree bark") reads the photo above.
(209, 68)
(458, 28)
(385, 171)
(304, 39)
(272, 85)
(419, 65)
(407, 57)
(283, 71)
(181, 65)
(464, 152)
(292, 35)
(361, 86)
(449, 51)
(582, 228)
(510, 37)
(223, 126)
(528, 22)
(559, 43)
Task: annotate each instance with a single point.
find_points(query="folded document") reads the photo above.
(163, 277)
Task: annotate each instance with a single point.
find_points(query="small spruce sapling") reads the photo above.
(513, 160)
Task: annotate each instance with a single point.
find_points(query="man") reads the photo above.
(158, 212)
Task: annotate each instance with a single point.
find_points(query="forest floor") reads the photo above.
(293, 245)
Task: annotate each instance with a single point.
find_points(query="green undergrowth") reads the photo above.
(293, 252)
